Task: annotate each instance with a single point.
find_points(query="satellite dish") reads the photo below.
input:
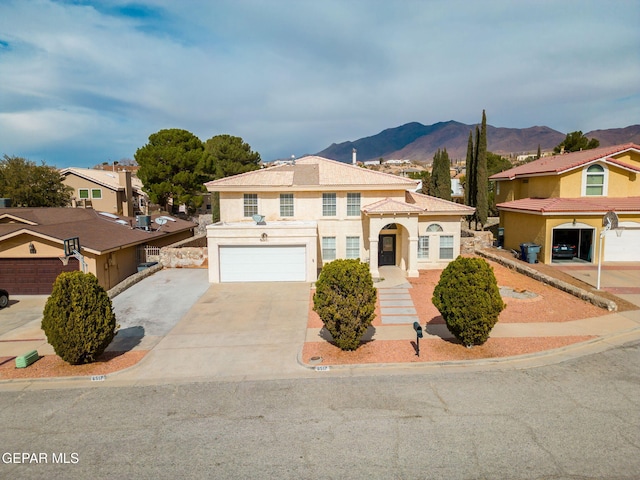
(161, 221)
(258, 218)
(610, 220)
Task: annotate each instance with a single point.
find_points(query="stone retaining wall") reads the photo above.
(470, 241)
(132, 280)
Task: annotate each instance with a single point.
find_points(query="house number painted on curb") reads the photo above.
(322, 368)
(98, 378)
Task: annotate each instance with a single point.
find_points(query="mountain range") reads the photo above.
(418, 142)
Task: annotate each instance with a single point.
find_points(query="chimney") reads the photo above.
(353, 156)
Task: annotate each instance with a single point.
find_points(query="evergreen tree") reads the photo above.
(482, 177)
(539, 154)
(440, 184)
(31, 185)
(469, 188)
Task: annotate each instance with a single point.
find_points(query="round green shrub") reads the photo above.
(78, 318)
(345, 300)
(469, 300)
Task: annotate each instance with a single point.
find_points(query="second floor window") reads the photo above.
(329, 205)
(286, 204)
(353, 204)
(250, 204)
(96, 193)
(595, 181)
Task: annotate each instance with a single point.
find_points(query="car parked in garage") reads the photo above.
(4, 298)
(563, 250)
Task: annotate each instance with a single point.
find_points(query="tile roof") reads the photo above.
(97, 233)
(105, 178)
(565, 205)
(418, 203)
(311, 171)
(561, 163)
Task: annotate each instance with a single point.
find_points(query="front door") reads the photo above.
(387, 250)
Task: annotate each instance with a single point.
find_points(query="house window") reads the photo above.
(286, 204)
(446, 247)
(353, 204)
(250, 204)
(328, 204)
(353, 247)
(96, 193)
(328, 248)
(83, 193)
(423, 247)
(595, 181)
(434, 227)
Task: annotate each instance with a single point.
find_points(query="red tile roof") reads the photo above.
(566, 205)
(418, 203)
(561, 163)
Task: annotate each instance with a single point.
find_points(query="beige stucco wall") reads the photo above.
(250, 234)
(111, 200)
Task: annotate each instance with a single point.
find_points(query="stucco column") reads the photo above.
(412, 267)
(373, 257)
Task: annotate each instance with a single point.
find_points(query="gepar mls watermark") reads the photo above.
(41, 457)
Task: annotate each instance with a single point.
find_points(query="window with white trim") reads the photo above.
(96, 193)
(353, 247)
(423, 247)
(329, 205)
(250, 204)
(286, 204)
(83, 193)
(594, 181)
(446, 247)
(328, 248)
(353, 204)
(434, 227)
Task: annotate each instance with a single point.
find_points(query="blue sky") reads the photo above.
(84, 82)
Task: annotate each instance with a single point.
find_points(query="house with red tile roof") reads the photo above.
(285, 222)
(112, 246)
(561, 201)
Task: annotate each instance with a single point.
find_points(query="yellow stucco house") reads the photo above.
(562, 200)
(32, 242)
(284, 222)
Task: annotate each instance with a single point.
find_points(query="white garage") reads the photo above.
(623, 248)
(263, 263)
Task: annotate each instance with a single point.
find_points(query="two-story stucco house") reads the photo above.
(283, 223)
(563, 199)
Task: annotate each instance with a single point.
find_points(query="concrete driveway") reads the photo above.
(620, 278)
(234, 330)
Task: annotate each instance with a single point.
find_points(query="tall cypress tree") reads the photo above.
(440, 184)
(469, 188)
(482, 177)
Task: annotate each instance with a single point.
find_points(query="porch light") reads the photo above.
(32, 248)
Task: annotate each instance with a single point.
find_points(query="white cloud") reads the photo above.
(292, 77)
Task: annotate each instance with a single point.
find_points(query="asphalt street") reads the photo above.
(579, 419)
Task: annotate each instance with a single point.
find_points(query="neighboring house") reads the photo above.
(562, 200)
(118, 192)
(284, 223)
(31, 244)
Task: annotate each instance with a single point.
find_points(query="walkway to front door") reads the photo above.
(396, 305)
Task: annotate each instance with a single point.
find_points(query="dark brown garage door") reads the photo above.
(32, 276)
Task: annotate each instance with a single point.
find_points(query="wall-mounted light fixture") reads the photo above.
(32, 248)
(574, 222)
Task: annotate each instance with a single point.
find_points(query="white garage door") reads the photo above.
(625, 248)
(272, 263)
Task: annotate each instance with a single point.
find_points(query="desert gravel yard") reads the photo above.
(527, 300)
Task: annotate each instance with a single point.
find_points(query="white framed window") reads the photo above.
(446, 247)
(434, 227)
(594, 181)
(96, 193)
(328, 248)
(353, 247)
(329, 205)
(353, 204)
(250, 204)
(286, 204)
(423, 247)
